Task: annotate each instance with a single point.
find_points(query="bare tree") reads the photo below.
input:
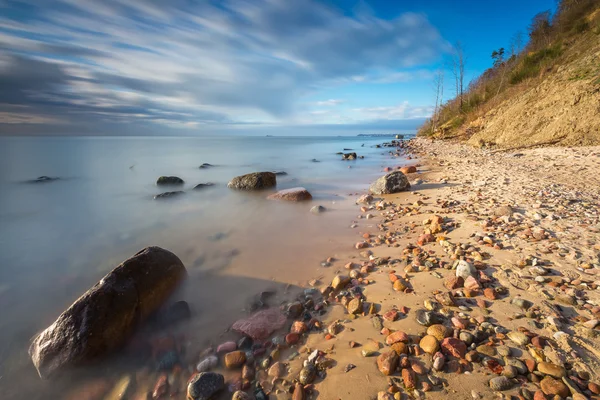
(438, 86)
(516, 44)
(458, 70)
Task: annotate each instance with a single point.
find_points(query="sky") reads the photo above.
(134, 67)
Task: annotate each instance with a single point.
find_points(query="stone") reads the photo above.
(393, 182)
(107, 315)
(396, 337)
(429, 344)
(292, 338)
(349, 156)
(426, 318)
(387, 362)
(307, 374)
(277, 370)
(260, 325)
(438, 361)
(411, 169)
(169, 180)
(365, 199)
(400, 348)
(503, 211)
(472, 284)
(355, 306)
(240, 395)
(408, 377)
(317, 209)
(298, 392)
(167, 195)
(235, 359)
(489, 293)
(203, 185)
(521, 303)
(439, 331)
(454, 347)
(43, 179)
(253, 181)
(446, 299)
(204, 385)
(454, 282)
(465, 269)
(500, 383)
(518, 337)
(385, 396)
(293, 194)
(207, 364)
(227, 347)
(487, 350)
(555, 371)
(553, 386)
(339, 282)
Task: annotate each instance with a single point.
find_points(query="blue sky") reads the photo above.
(203, 67)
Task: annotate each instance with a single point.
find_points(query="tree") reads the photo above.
(540, 30)
(438, 86)
(498, 56)
(516, 44)
(458, 70)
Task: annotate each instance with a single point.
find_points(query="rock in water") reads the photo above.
(106, 316)
(260, 325)
(204, 385)
(169, 180)
(318, 209)
(293, 194)
(253, 181)
(43, 179)
(348, 156)
(393, 182)
(307, 374)
(167, 195)
(203, 185)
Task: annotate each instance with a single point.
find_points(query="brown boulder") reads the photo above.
(411, 169)
(253, 181)
(387, 362)
(293, 194)
(102, 320)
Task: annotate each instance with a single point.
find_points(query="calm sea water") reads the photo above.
(58, 238)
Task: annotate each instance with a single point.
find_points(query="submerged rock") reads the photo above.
(293, 194)
(318, 209)
(393, 182)
(204, 185)
(102, 320)
(168, 195)
(204, 385)
(253, 181)
(260, 325)
(348, 156)
(169, 180)
(205, 165)
(44, 179)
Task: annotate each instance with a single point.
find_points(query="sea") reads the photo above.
(58, 238)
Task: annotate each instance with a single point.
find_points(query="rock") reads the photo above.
(204, 385)
(277, 370)
(318, 209)
(393, 182)
(487, 350)
(446, 299)
(307, 374)
(555, 371)
(503, 211)
(396, 337)
(235, 359)
(43, 179)
(521, 303)
(465, 270)
(349, 156)
(387, 362)
(355, 306)
(439, 331)
(253, 181)
(169, 180)
(518, 337)
(408, 377)
(248, 372)
(553, 386)
(239, 395)
(426, 318)
(260, 325)
(400, 348)
(500, 383)
(489, 293)
(293, 194)
(298, 392)
(429, 344)
(207, 364)
(203, 185)
(454, 282)
(365, 199)
(168, 195)
(227, 347)
(292, 338)
(438, 361)
(104, 317)
(472, 284)
(339, 282)
(205, 165)
(411, 169)
(454, 347)
(385, 396)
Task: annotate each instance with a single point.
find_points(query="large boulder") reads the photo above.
(393, 182)
(169, 180)
(253, 181)
(293, 194)
(102, 320)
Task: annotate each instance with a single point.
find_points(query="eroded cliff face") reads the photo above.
(563, 109)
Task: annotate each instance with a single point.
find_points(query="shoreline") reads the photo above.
(468, 200)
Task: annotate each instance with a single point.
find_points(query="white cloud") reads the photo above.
(330, 102)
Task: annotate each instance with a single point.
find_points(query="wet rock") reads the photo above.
(43, 179)
(339, 282)
(298, 392)
(253, 181)
(556, 371)
(205, 165)
(227, 347)
(260, 325)
(169, 180)
(235, 359)
(393, 182)
(307, 374)
(553, 386)
(348, 156)
(240, 395)
(500, 383)
(203, 185)
(204, 385)
(429, 344)
(293, 194)
(102, 320)
(318, 209)
(277, 370)
(411, 169)
(207, 364)
(168, 195)
(387, 362)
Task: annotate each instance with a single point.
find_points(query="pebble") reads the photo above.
(553, 370)
(235, 359)
(429, 344)
(387, 362)
(207, 364)
(500, 383)
(307, 374)
(553, 386)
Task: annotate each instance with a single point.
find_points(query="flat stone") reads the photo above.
(553, 386)
(553, 370)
